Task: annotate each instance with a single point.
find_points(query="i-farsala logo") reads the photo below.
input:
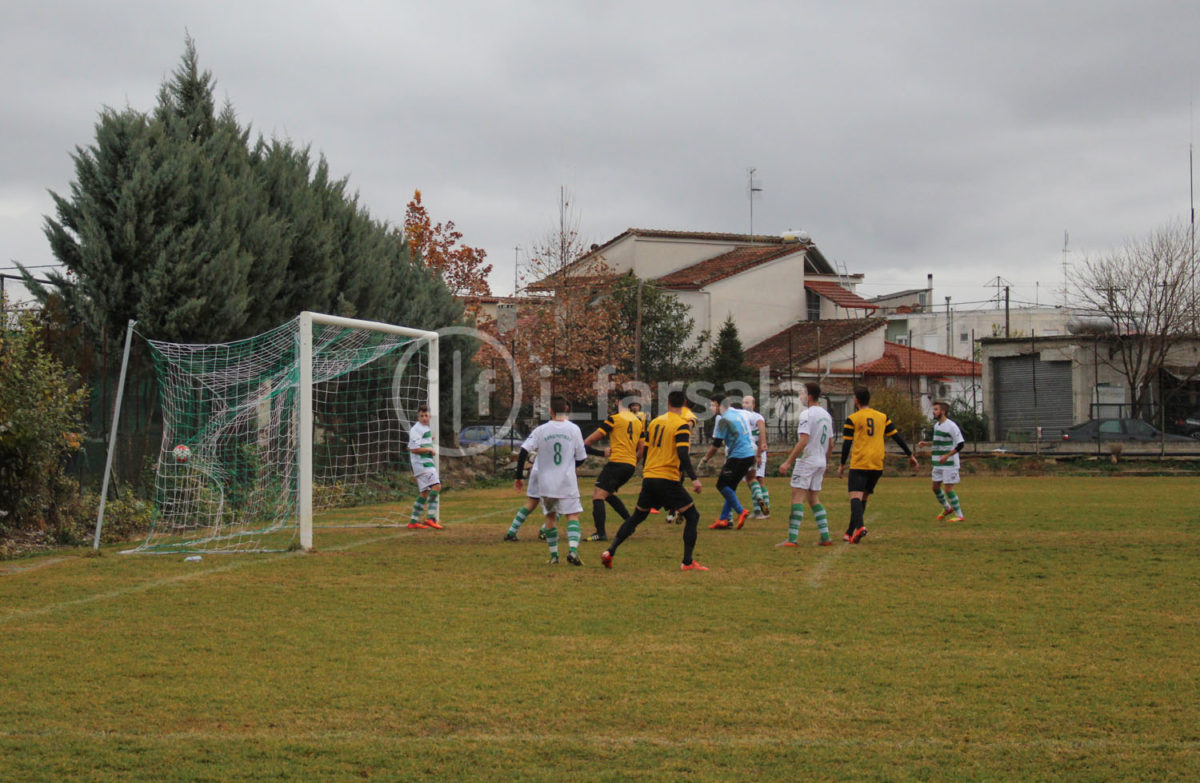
(527, 400)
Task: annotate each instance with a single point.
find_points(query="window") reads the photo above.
(813, 300)
(964, 336)
(1140, 428)
(1110, 427)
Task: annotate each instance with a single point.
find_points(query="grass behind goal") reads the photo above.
(1055, 635)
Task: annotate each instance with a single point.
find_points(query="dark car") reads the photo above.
(1188, 425)
(488, 435)
(1117, 430)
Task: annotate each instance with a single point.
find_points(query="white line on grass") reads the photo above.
(233, 566)
(508, 739)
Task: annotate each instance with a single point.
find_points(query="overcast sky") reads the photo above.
(958, 138)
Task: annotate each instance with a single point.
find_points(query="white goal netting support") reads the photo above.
(304, 426)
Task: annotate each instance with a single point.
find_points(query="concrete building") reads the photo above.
(952, 333)
(1058, 381)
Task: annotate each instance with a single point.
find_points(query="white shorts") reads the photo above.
(531, 486)
(427, 479)
(807, 477)
(562, 506)
(947, 474)
(762, 465)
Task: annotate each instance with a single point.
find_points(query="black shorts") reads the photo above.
(863, 480)
(663, 493)
(613, 476)
(735, 470)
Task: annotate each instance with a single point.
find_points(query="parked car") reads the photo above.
(1188, 425)
(1117, 429)
(488, 435)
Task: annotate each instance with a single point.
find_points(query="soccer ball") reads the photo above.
(182, 453)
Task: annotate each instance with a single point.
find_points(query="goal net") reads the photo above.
(304, 426)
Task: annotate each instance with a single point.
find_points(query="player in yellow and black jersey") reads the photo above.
(863, 445)
(667, 444)
(624, 432)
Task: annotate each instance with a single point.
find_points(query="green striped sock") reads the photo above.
(953, 498)
(418, 507)
(552, 540)
(432, 509)
(573, 534)
(797, 516)
(941, 498)
(766, 493)
(518, 520)
(822, 521)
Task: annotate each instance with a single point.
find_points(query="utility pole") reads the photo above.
(637, 336)
(516, 267)
(1006, 312)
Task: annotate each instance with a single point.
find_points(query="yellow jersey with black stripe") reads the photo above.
(867, 428)
(663, 437)
(624, 430)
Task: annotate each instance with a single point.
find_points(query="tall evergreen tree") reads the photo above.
(177, 221)
(728, 360)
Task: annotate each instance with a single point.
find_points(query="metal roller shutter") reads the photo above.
(1031, 393)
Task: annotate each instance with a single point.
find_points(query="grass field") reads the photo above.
(1054, 635)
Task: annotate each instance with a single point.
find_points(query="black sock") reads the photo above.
(598, 515)
(691, 521)
(627, 528)
(856, 515)
(618, 507)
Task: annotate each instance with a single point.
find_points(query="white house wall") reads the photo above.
(657, 256)
(763, 300)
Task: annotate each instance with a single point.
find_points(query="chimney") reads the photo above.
(928, 293)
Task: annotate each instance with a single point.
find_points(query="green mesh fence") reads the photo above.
(227, 472)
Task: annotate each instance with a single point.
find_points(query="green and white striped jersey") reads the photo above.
(946, 435)
(420, 437)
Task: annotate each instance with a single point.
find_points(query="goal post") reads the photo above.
(306, 429)
(304, 426)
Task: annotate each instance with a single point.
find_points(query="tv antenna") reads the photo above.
(1001, 284)
(754, 190)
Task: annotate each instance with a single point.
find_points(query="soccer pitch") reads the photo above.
(1053, 635)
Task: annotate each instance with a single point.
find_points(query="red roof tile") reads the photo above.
(902, 360)
(725, 265)
(838, 295)
(809, 340)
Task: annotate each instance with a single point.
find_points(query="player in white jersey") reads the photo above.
(421, 450)
(813, 447)
(946, 444)
(560, 449)
(756, 478)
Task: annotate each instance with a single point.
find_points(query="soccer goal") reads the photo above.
(301, 427)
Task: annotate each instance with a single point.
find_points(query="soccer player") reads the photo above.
(814, 448)
(560, 449)
(429, 486)
(666, 443)
(732, 430)
(757, 477)
(693, 420)
(946, 444)
(624, 431)
(862, 444)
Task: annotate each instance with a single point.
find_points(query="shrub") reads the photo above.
(972, 423)
(41, 408)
